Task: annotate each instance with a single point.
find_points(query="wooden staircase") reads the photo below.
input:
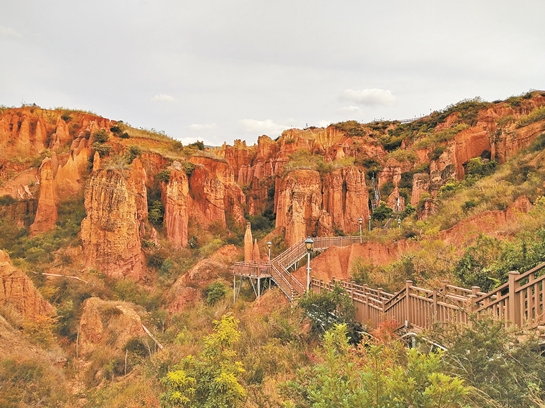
(520, 301)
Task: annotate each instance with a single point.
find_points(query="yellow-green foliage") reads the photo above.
(439, 137)
(385, 375)
(534, 116)
(211, 379)
(27, 382)
(304, 160)
(403, 155)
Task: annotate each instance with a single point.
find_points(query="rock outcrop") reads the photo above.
(18, 292)
(176, 201)
(311, 205)
(110, 233)
(108, 324)
(46, 213)
(184, 293)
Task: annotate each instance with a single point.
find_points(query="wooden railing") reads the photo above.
(278, 267)
(519, 301)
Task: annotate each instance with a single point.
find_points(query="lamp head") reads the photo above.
(308, 244)
(269, 244)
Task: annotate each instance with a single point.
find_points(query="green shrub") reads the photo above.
(477, 167)
(101, 136)
(382, 212)
(537, 145)
(386, 189)
(6, 200)
(534, 116)
(163, 175)
(215, 292)
(188, 167)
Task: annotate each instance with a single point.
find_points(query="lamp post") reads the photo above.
(369, 221)
(269, 244)
(360, 222)
(308, 244)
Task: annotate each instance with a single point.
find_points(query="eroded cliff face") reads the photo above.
(46, 213)
(111, 231)
(18, 292)
(214, 192)
(27, 135)
(176, 201)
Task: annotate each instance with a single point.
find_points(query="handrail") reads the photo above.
(517, 301)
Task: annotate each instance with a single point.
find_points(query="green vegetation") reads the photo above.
(212, 379)
(534, 116)
(378, 375)
(351, 128)
(329, 308)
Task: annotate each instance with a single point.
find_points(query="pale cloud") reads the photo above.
(369, 97)
(267, 126)
(350, 109)
(324, 123)
(188, 140)
(164, 98)
(9, 32)
(201, 127)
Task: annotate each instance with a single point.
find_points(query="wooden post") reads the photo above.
(473, 298)
(434, 311)
(408, 305)
(514, 315)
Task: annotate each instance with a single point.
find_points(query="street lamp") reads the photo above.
(360, 222)
(308, 244)
(269, 244)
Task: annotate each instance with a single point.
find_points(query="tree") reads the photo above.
(504, 366)
(374, 375)
(210, 380)
(330, 307)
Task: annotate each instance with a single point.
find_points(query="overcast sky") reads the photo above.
(220, 70)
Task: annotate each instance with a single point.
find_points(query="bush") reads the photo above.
(534, 116)
(478, 167)
(6, 200)
(382, 212)
(101, 136)
(215, 292)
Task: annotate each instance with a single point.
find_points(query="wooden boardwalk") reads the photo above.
(520, 301)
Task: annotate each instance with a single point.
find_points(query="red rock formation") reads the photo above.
(110, 232)
(137, 184)
(107, 324)
(46, 213)
(176, 201)
(22, 133)
(183, 292)
(248, 244)
(18, 291)
(214, 191)
(299, 204)
(69, 175)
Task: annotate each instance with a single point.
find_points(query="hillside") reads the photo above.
(105, 228)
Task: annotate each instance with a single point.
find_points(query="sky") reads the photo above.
(220, 70)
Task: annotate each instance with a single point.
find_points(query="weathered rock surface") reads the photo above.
(18, 291)
(108, 324)
(183, 293)
(46, 213)
(176, 200)
(110, 233)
